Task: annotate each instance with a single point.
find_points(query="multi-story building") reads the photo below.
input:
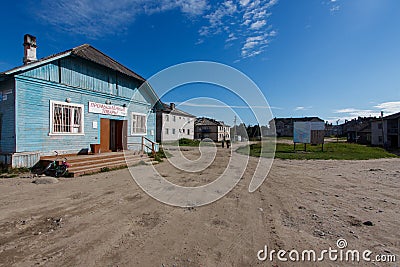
(173, 124)
(212, 129)
(386, 131)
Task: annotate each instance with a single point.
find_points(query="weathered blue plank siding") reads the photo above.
(82, 82)
(48, 72)
(84, 74)
(7, 116)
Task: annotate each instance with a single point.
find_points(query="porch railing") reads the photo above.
(145, 145)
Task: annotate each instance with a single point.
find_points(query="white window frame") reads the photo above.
(145, 123)
(51, 125)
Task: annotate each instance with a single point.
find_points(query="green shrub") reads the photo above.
(159, 155)
(105, 169)
(188, 142)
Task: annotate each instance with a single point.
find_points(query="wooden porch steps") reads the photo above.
(88, 164)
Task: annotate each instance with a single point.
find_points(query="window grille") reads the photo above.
(66, 118)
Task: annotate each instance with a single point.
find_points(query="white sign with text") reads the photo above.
(106, 109)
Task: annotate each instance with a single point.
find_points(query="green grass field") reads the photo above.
(339, 151)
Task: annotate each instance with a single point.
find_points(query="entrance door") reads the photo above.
(104, 135)
(118, 135)
(394, 141)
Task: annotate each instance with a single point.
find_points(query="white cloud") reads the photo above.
(247, 20)
(335, 8)
(218, 18)
(255, 45)
(95, 18)
(333, 5)
(389, 107)
(194, 7)
(346, 110)
(301, 108)
(236, 19)
(353, 112)
(350, 113)
(231, 37)
(258, 24)
(205, 105)
(244, 2)
(250, 45)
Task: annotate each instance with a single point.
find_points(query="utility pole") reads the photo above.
(383, 132)
(337, 131)
(234, 130)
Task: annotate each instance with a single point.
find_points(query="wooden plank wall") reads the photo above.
(7, 117)
(81, 81)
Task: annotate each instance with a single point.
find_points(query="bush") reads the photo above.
(105, 169)
(8, 172)
(188, 142)
(159, 155)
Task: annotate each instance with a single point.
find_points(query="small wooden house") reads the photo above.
(71, 102)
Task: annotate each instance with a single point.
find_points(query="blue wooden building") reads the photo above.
(71, 102)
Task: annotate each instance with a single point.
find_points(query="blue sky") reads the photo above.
(327, 58)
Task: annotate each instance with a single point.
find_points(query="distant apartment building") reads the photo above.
(386, 131)
(173, 124)
(212, 129)
(358, 130)
(285, 126)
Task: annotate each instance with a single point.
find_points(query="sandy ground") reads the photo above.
(107, 220)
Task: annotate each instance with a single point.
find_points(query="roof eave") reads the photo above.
(34, 64)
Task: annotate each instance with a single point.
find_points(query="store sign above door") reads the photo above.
(100, 108)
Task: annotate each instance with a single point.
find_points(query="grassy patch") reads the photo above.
(339, 151)
(7, 172)
(284, 138)
(160, 155)
(188, 142)
(105, 169)
(7, 175)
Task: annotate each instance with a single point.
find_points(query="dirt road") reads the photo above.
(106, 220)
